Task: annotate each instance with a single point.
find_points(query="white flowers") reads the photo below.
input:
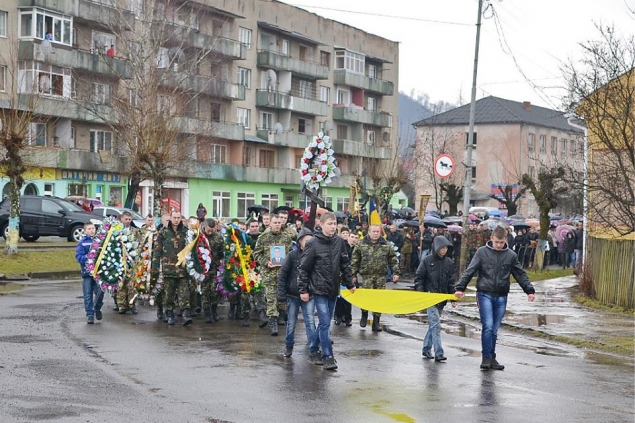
(317, 166)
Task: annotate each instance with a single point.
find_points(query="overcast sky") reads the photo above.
(437, 40)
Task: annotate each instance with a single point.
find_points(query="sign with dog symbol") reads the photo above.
(444, 166)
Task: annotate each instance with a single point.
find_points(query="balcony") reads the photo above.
(284, 101)
(280, 62)
(87, 10)
(285, 139)
(360, 149)
(188, 37)
(77, 60)
(229, 131)
(204, 85)
(346, 77)
(362, 116)
(59, 158)
(67, 108)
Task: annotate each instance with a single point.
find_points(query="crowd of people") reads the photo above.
(303, 269)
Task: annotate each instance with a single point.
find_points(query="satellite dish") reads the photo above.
(385, 136)
(278, 128)
(272, 78)
(352, 108)
(46, 48)
(328, 125)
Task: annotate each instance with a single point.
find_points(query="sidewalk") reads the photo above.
(554, 315)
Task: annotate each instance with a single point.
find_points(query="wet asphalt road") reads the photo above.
(54, 367)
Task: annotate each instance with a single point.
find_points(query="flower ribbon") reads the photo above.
(243, 263)
(183, 253)
(149, 237)
(103, 250)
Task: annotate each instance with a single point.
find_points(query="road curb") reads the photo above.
(70, 274)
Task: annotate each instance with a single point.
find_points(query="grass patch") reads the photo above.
(4, 289)
(595, 304)
(541, 275)
(41, 244)
(39, 261)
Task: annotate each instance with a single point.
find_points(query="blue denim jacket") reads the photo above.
(81, 253)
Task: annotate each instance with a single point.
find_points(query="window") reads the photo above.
(36, 77)
(163, 59)
(532, 172)
(304, 126)
(563, 148)
(40, 24)
(531, 141)
(303, 52)
(285, 47)
(267, 159)
(342, 97)
(325, 58)
(473, 173)
(543, 143)
(218, 154)
(216, 111)
(370, 137)
(37, 134)
(165, 104)
(473, 139)
(220, 204)
(100, 140)
(342, 203)
(136, 7)
(266, 120)
(573, 152)
(244, 36)
(342, 132)
(372, 71)
(306, 89)
(243, 116)
(102, 42)
(325, 94)
(73, 139)
(349, 60)
(249, 156)
(244, 77)
(270, 201)
(245, 200)
(78, 189)
(3, 78)
(554, 146)
(371, 104)
(101, 93)
(3, 23)
(328, 202)
(288, 200)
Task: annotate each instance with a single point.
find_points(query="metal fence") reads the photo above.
(612, 267)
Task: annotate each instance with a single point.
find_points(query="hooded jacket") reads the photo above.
(81, 253)
(321, 263)
(437, 274)
(494, 269)
(288, 277)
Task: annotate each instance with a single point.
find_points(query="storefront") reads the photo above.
(109, 188)
(175, 197)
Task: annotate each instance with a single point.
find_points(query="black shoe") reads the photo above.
(330, 363)
(263, 319)
(485, 364)
(427, 355)
(232, 310)
(338, 321)
(376, 326)
(187, 320)
(215, 313)
(282, 318)
(288, 351)
(160, 315)
(246, 321)
(273, 326)
(198, 310)
(116, 308)
(495, 365)
(171, 319)
(364, 320)
(208, 315)
(316, 358)
(90, 320)
(134, 310)
(123, 310)
(440, 358)
(98, 315)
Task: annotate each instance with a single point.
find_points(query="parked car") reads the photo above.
(47, 216)
(107, 211)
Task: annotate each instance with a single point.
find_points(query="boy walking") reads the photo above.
(321, 263)
(93, 295)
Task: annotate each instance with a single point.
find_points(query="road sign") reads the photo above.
(444, 166)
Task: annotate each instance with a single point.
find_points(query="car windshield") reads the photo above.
(70, 206)
(135, 215)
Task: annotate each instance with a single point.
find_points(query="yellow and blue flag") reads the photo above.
(374, 214)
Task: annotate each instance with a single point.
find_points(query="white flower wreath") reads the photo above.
(201, 253)
(317, 166)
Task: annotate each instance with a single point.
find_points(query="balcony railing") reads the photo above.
(201, 84)
(230, 131)
(278, 100)
(87, 10)
(189, 37)
(76, 59)
(272, 60)
(361, 149)
(346, 77)
(285, 139)
(348, 114)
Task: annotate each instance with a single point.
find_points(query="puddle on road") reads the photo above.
(378, 408)
(10, 287)
(606, 359)
(361, 353)
(535, 320)
(451, 327)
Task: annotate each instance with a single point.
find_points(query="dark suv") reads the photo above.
(46, 216)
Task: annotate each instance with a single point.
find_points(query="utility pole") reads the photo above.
(470, 140)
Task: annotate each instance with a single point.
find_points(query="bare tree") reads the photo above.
(508, 197)
(602, 91)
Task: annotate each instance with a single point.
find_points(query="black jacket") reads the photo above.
(494, 269)
(579, 238)
(322, 262)
(396, 238)
(288, 276)
(437, 274)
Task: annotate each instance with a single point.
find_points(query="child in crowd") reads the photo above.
(93, 295)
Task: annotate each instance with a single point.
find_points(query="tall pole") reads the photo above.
(470, 139)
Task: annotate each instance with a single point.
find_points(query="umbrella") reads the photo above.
(561, 232)
(556, 217)
(406, 210)
(517, 217)
(520, 225)
(83, 200)
(492, 223)
(279, 208)
(534, 223)
(434, 222)
(413, 223)
(340, 215)
(495, 213)
(453, 219)
(257, 208)
(455, 228)
(472, 216)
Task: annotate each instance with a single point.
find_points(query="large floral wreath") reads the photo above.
(142, 280)
(240, 272)
(198, 260)
(112, 254)
(317, 166)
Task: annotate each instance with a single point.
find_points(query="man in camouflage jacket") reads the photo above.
(126, 292)
(372, 258)
(210, 295)
(170, 241)
(268, 271)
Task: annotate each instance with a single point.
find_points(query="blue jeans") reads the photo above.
(322, 338)
(576, 256)
(308, 309)
(492, 309)
(92, 288)
(433, 335)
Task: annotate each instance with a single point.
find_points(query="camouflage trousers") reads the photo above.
(257, 299)
(173, 286)
(210, 295)
(271, 295)
(374, 282)
(125, 294)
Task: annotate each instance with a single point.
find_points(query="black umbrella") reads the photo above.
(434, 222)
(412, 223)
(520, 226)
(257, 208)
(452, 219)
(406, 210)
(279, 208)
(340, 215)
(516, 217)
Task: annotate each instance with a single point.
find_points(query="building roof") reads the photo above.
(291, 34)
(495, 110)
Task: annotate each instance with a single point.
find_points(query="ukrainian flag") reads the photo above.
(374, 214)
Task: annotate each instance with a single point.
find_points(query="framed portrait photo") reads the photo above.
(278, 254)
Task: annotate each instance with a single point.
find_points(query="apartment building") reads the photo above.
(247, 83)
(510, 139)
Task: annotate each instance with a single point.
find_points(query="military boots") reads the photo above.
(171, 320)
(208, 315)
(364, 319)
(273, 326)
(215, 313)
(376, 327)
(160, 314)
(187, 319)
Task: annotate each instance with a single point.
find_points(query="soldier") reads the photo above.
(266, 221)
(170, 241)
(159, 298)
(269, 272)
(372, 258)
(211, 297)
(125, 293)
(284, 218)
(257, 299)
